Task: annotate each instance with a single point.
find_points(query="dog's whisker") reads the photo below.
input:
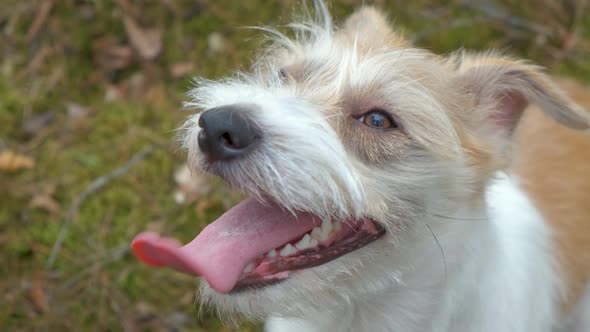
(442, 252)
(458, 218)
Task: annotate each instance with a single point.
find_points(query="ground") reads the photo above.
(91, 93)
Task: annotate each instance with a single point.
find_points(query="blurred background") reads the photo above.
(91, 93)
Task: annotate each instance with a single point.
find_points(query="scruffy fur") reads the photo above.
(465, 248)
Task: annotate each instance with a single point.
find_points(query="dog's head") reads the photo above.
(347, 139)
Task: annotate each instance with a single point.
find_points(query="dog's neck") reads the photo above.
(454, 268)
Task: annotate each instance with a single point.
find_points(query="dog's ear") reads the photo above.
(501, 88)
(370, 26)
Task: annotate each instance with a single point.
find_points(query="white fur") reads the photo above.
(580, 320)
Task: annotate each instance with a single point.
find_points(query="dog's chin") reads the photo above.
(304, 291)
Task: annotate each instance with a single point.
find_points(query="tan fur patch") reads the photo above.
(554, 164)
(370, 28)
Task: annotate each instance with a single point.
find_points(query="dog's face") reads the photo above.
(354, 132)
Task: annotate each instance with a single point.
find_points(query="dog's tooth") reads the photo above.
(249, 268)
(271, 253)
(316, 233)
(337, 226)
(326, 230)
(327, 226)
(288, 250)
(313, 243)
(303, 243)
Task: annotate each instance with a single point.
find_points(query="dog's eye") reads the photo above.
(283, 74)
(378, 119)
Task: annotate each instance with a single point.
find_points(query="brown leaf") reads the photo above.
(45, 201)
(156, 96)
(136, 86)
(38, 294)
(146, 41)
(10, 161)
(110, 54)
(181, 69)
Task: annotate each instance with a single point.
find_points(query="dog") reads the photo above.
(391, 189)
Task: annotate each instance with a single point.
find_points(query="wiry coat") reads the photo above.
(465, 249)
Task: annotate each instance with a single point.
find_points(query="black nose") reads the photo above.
(227, 131)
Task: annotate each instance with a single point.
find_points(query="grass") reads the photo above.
(95, 284)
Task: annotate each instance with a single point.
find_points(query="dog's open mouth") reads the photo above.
(255, 245)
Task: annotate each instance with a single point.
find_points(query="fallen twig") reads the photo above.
(110, 256)
(39, 20)
(94, 186)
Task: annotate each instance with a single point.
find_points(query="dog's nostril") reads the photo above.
(228, 140)
(201, 122)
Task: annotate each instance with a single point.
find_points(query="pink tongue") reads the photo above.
(224, 248)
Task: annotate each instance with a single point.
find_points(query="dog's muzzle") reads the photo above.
(228, 131)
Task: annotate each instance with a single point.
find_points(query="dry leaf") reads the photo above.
(45, 201)
(181, 69)
(156, 96)
(111, 55)
(146, 41)
(190, 186)
(10, 161)
(136, 86)
(38, 295)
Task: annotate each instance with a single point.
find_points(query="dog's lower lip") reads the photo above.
(281, 267)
